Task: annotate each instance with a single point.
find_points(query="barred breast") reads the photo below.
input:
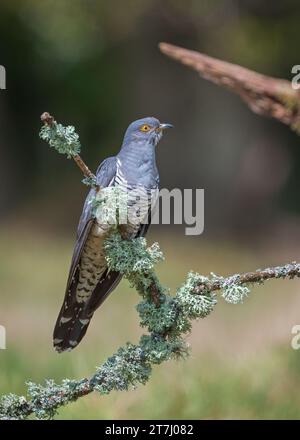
(140, 201)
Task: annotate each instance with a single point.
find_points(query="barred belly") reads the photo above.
(92, 263)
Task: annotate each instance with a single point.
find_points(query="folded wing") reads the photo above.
(81, 298)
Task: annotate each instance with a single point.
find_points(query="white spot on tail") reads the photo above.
(63, 320)
(57, 341)
(73, 343)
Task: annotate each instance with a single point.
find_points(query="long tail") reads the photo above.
(74, 317)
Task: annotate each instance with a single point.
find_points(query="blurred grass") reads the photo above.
(241, 363)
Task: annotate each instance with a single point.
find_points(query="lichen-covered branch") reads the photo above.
(234, 288)
(166, 318)
(167, 324)
(265, 95)
(66, 141)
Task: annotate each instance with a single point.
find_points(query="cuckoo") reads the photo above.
(90, 281)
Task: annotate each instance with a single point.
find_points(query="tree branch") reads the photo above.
(73, 151)
(131, 365)
(167, 318)
(265, 95)
(288, 271)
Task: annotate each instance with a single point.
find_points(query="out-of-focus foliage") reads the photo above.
(97, 64)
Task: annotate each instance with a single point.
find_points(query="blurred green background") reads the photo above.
(95, 64)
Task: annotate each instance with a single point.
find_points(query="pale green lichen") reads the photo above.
(131, 256)
(158, 349)
(231, 288)
(158, 319)
(46, 399)
(90, 181)
(235, 293)
(14, 407)
(126, 368)
(195, 305)
(65, 140)
(110, 206)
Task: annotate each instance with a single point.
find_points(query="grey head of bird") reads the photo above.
(145, 131)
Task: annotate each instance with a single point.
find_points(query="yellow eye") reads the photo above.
(145, 127)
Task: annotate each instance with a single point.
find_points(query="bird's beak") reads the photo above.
(164, 126)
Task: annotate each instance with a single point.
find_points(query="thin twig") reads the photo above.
(290, 271)
(47, 119)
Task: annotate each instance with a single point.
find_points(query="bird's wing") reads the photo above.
(74, 317)
(64, 330)
(105, 177)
